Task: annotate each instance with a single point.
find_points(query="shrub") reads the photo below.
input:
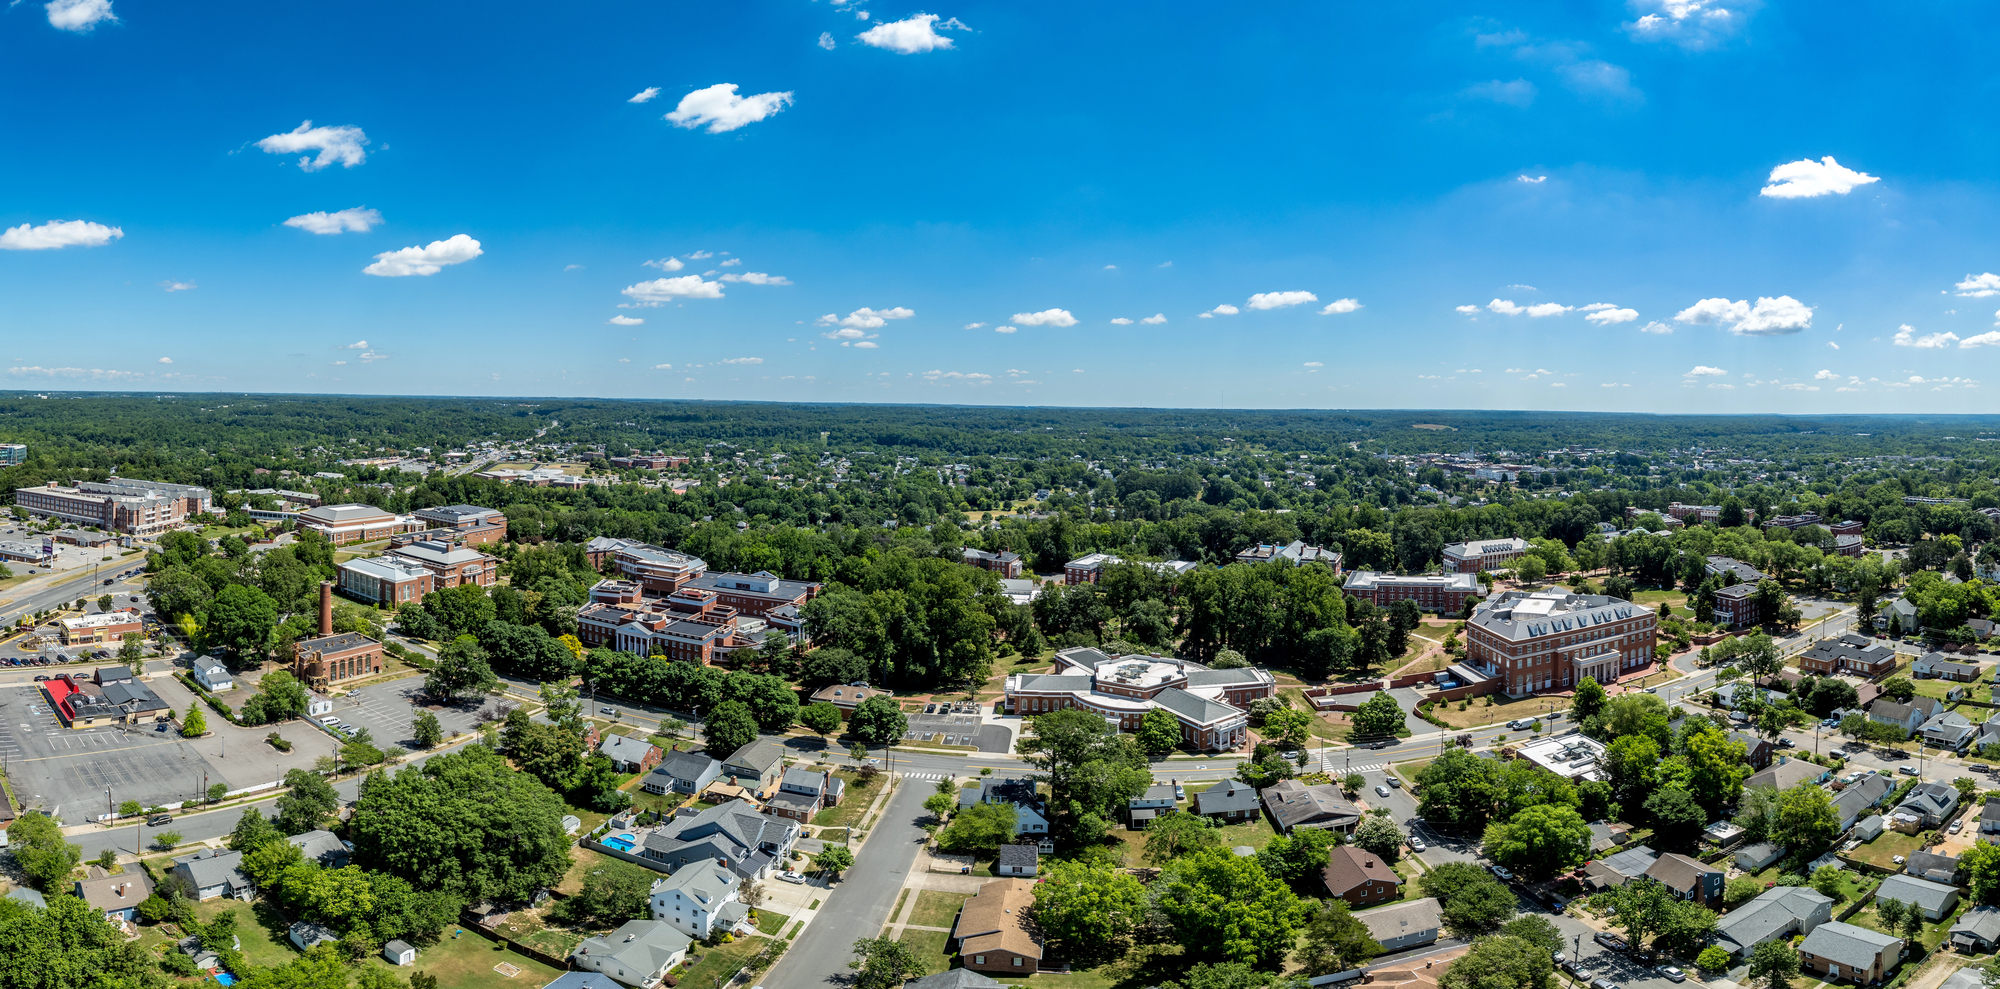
(278, 742)
(1713, 959)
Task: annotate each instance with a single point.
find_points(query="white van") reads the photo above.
(330, 719)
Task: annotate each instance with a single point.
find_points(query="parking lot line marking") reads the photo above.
(140, 745)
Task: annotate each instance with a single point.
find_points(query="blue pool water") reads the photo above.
(225, 978)
(622, 842)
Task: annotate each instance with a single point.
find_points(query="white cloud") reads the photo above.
(1222, 310)
(731, 263)
(974, 376)
(1279, 300)
(572, 267)
(1518, 92)
(867, 345)
(1110, 267)
(1606, 317)
(1595, 306)
(1798, 386)
(1703, 369)
(341, 145)
(1155, 319)
(1807, 179)
(1121, 321)
(78, 15)
(1769, 317)
(756, 278)
(1506, 307)
(866, 318)
(666, 264)
(1468, 309)
(1692, 24)
(356, 345)
(1979, 286)
(1723, 385)
(1990, 338)
(1525, 288)
(1835, 346)
(426, 260)
(663, 367)
(741, 360)
(1338, 306)
(359, 220)
(722, 110)
(645, 95)
(660, 291)
(826, 40)
(860, 15)
(1547, 309)
(369, 356)
(73, 372)
(1557, 384)
(974, 326)
(166, 360)
(624, 321)
(1165, 264)
(909, 36)
(1537, 180)
(1314, 364)
(57, 234)
(174, 286)
(1906, 336)
(701, 255)
(1006, 329)
(1826, 375)
(1047, 317)
(1598, 77)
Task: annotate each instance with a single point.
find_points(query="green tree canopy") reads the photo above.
(463, 822)
(1088, 911)
(1214, 898)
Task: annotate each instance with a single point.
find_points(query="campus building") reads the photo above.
(1004, 563)
(140, 508)
(756, 594)
(344, 524)
(330, 659)
(660, 571)
(13, 453)
(650, 461)
(1484, 554)
(691, 623)
(1442, 593)
(464, 525)
(450, 565)
(389, 580)
(1210, 705)
(1551, 640)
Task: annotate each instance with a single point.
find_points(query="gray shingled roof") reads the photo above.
(1981, 922)
(1909, 889)
(685, 765)
(1018, 855)
(1401, 920)
(1231, 795)
(957, 978)
(1851, 946)
(625, 748)
(652, 943)
(1195, 708)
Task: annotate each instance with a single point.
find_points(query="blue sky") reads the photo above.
(915, 204)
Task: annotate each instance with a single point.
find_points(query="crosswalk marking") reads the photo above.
(926, 776)
(1328, 767)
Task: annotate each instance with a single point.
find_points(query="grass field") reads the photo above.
(1478, 712)
(853, 803)
(1884, 849)
(770, 923)
(1255, 833)
(937, 908)
(1145, 965)
(466, 962)
(719, 962)
(931, 949)
(263, 930)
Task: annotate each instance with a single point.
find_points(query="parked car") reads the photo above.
(1520, 723)
(159, 820)
(1784, 743)
(1603, 984)
(1673, 974)
(41, 676)
(1907, 770)
(1395, 782)
(612, 711)
(1381, 791)
(791, 877)
(1417, 844)
(1956, 826)
(1503, 872)
(1610, 941)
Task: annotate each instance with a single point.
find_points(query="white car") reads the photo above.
(1417, 844)
(788, 876)
(1381, 791)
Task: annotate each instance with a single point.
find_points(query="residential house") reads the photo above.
(1937, 900)
(1978, 929)
(1926, 806)
(682, 772)
(1850, 653)
(1723, 834)
(637, 954)
(212, 674)
(1607, 836)
(399, 952)
(33, 898)
(1944, 666)
(1909, 717)
(699, 900)
(115, 896)
(1932, 866)
(1787, 773)
(801, 793)
(1737, 696)
(1293, 804)
(323, 847)
(755, 766)
(1755, 858)
(1949, 730)
(1155, 800)
(992, 933)
(1030, 817)
(1860, 798)
(213, 873)
(1360, 877)
(1019, 860)
(1619, 868)
(1989, 816)
(1780, 911)
(1230, 800)
(1901, 616)
(583, 980)
(308, 935)
(957, 978)
(1690, 879)
(1869, 828)
(729, 834)
(628, 754)
(1757, 751)
(1843, 951)
(1404, 925)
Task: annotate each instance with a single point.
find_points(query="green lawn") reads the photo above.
(853, 803)
(264, 931)
(719, 962)
(937, 908)
(467, 961)
(931, 949)
(770, 923)
(1883, 850)
(1145, 965)
(1981, 691)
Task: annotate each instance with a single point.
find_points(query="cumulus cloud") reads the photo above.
(1003, 328)
(1537, 180)
(663, 367)
(356, 345)
(1314, 364)
(1222, 310)
(826, 40)
(1279, 300)
(666, 264)
(741, 360)
(95, 373)
(1703, 369)
(336, 145)
(1155, 319)
(1121, 321)
(909, 36)
(1807, 179)
(1110, 267)
(174, 286)
(166, 360)
(974, 376)
(1692, 24)
(78, 15)
(426, 260)
(1769, 317)
(1826, 375)
(1606, 317)
(756, 278)
(645, 95)
(700, 255)
(1338, 306)
(865, 344)
(1906, 336)
(58, 234)
(1979, 286)
(624, 321)
(359, 220)
(866, 318)
(1990, 338)
(722, 110)
(974, 326)
(1506, 307)
(661, 291)
(1518, 92)
(1047, 317)
(1468, 310)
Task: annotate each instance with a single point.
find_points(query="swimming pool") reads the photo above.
(225, 978)
(622, 842)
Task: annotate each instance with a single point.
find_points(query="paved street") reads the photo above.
(859, 904)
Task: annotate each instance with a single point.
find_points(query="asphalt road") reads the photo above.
(858, 906)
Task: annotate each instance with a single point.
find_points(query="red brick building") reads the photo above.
(330, 659)
(1360, 877)
(1004, 563)
(1443, 593)
(1551, 640)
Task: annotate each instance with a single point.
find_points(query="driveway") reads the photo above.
(1407, 698)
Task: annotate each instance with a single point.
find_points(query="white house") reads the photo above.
(210, 673)
(699, 900)
(637, 954)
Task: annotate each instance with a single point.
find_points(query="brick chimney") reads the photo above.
(326, 607)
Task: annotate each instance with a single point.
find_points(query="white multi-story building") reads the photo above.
(699, 899)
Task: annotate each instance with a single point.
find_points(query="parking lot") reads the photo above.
(65, 771)
(958, 724)
(384, 709)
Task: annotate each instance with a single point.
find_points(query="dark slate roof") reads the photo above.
(336, 643)
(686, 765)
(1018, 855)
(957, 978)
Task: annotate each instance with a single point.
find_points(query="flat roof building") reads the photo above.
(1443, 593)
(1211, 705)
(353, 523)
(390, 580)
(136, 507)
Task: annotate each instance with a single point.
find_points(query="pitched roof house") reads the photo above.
(732, 834)
(1757, 750)
(1780, 911)
(682, 772)
(1293, 804)
(214, 873)
(700, 900)
(1690, 879)
(1844, 951)
(323, 847)
(1360, 877)
(756, 765)
(992, 930)
(1927, 805)
(1230, 800)
(1029, 815)
(628, 754)
(1932, 866)
(1402, 926)
(1936, 899)
(637, 954)
(1978, 929)
(1909, 717)
(1787, 773)
(1861, 797)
